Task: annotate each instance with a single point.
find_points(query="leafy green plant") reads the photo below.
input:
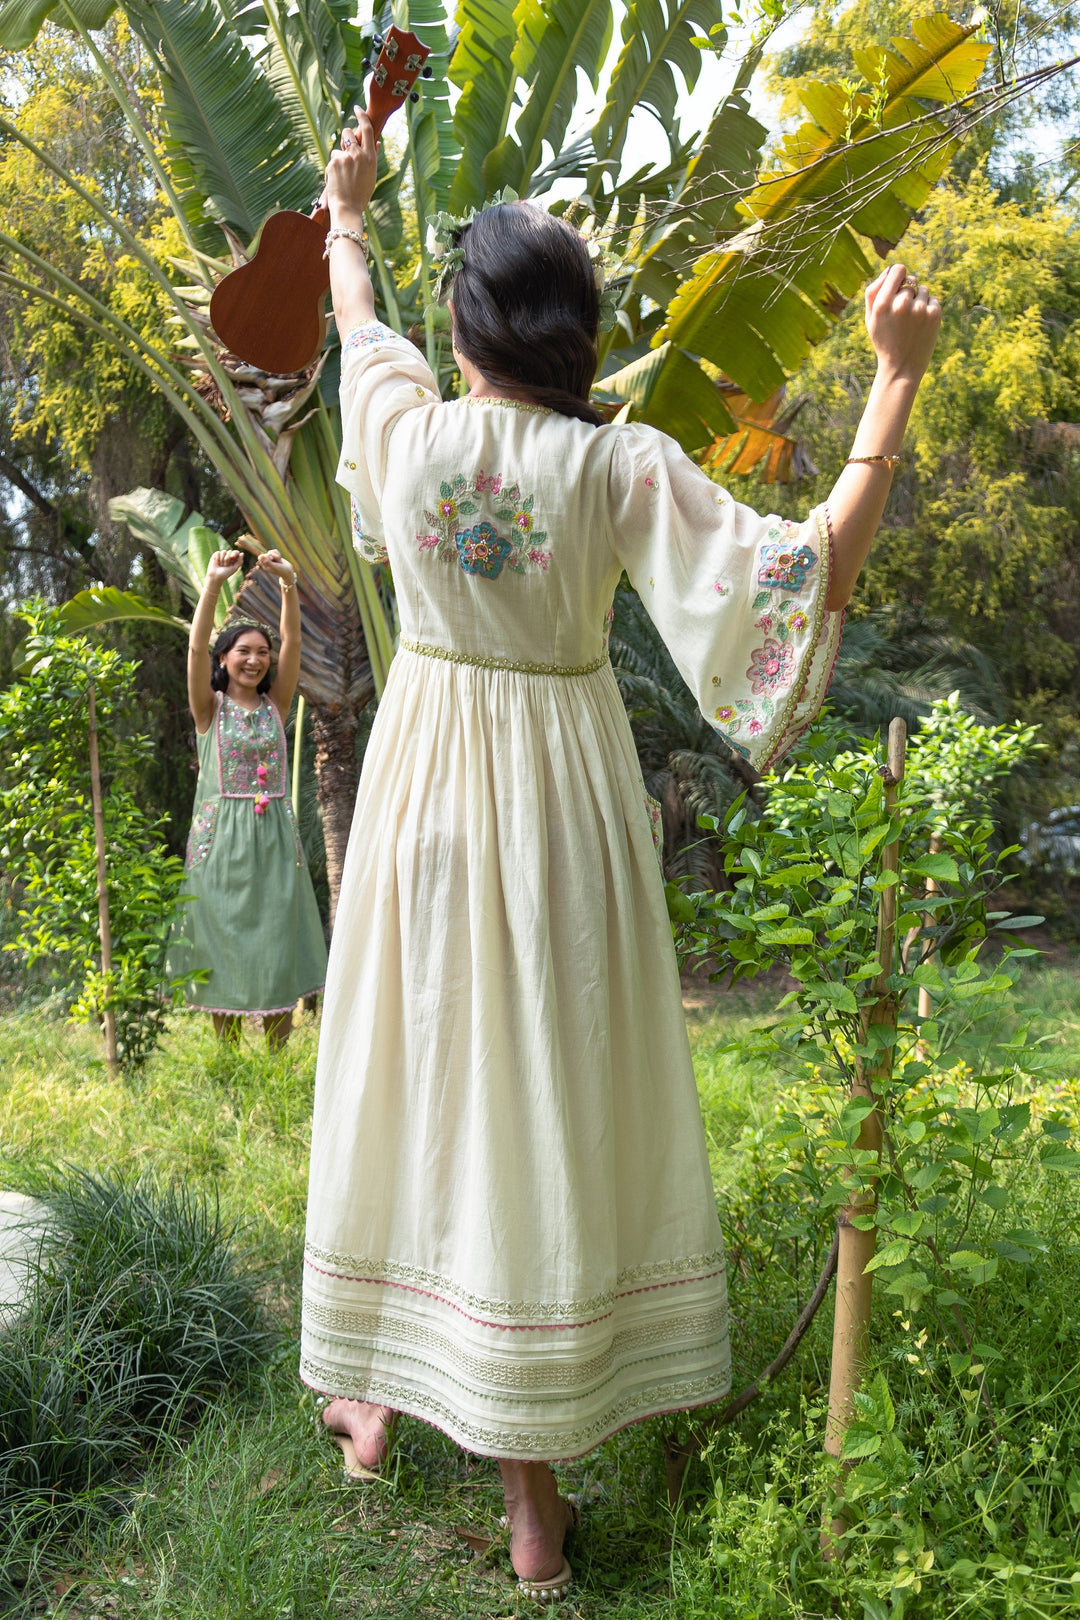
(919, 1129)
(49, 853)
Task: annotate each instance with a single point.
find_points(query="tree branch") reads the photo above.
(677, 1453)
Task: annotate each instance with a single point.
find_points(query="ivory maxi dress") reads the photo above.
(512, 1231)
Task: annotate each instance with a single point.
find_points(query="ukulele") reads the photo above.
(271, 312)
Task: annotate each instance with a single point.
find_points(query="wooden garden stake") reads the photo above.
(108, 1016)
(851, 1320)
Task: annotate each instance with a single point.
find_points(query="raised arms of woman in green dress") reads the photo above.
(250, 662)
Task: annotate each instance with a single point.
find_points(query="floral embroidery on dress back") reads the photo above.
(251, 753)
(505, 536)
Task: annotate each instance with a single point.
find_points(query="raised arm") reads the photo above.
(288, 663)
(350, 181)
(902, 320)
(223, 564)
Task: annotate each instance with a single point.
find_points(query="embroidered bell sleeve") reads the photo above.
(738, 599)
(383, 375)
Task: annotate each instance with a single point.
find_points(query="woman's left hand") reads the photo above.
(275, 563)
(902, 319)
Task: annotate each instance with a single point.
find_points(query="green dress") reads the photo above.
(248, 910)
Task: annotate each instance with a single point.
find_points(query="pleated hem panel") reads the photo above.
(538, 1392)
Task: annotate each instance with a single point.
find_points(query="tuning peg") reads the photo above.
(425, 73)
(414, 95)
(365, 66)
(377, 41)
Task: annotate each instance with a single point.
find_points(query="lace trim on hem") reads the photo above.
(508, 1443)
(515, 666)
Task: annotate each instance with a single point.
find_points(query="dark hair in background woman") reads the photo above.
(526, 307)
(219, 675)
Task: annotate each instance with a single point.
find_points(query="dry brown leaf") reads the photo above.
(478, 1543)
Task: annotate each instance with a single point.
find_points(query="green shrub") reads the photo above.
(48, 853)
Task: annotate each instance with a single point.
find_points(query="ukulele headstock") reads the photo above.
(400, 63)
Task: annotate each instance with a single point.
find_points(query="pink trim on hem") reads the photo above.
(251, 1012)
(573, 1456)
(511, 1327)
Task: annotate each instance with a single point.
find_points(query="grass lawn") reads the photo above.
(976, 1514)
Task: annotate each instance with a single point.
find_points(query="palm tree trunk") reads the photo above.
(334, 732)
(337, 683)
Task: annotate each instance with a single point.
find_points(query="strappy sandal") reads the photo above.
(556, 1587)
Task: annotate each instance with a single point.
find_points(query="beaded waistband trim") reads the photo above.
(512, 664)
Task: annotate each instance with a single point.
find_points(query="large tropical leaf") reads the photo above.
(670, 391)
(435, 146)
(556, 39)
(20, 20)
(230, 141)
(482, 69)
(103, 604)
(657, 39)
(182, 545)
(757, 305)
(306, 65)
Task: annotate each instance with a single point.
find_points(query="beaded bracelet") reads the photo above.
(892, 462)
(359, 237)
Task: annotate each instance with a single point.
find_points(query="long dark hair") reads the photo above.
(219, 680)
(526, 307)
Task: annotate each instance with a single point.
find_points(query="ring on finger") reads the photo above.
(912, 282)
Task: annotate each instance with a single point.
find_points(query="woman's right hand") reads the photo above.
(222, 566)
(351, 174)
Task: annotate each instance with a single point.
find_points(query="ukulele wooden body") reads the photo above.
(271, 311)
(287, 273)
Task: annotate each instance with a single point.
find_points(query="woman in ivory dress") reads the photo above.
(512, 1231)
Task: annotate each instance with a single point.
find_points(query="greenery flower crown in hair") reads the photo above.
(444, 246)
(249, 624)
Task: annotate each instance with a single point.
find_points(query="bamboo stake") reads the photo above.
(108, 1017)
(851, 1319)
(926, 1006)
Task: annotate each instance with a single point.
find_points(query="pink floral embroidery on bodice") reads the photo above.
(251, 752)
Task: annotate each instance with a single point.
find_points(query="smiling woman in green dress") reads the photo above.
(248, 911)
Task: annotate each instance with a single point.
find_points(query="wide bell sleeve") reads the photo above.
(738, 599)
(383, 375)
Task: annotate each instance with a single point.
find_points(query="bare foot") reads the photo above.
(539, 1519)
(367, 1426)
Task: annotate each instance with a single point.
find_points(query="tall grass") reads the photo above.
(139, 1313)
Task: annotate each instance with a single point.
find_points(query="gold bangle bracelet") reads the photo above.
(892, 462)
(285, 589)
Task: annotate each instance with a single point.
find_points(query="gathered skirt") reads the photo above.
(512, 1230)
